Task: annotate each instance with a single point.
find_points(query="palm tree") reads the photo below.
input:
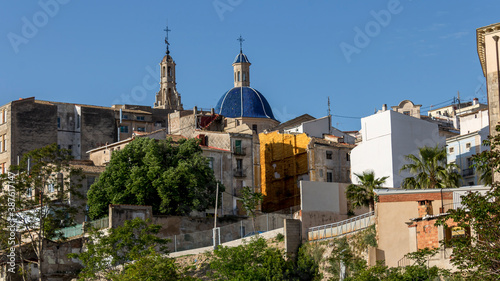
(362, 194)
(430, 170)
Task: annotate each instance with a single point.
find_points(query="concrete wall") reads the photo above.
(474, 122)
(394, 211)
(387, 137)
(118, 214)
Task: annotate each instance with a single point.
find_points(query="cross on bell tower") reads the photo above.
(241, 67)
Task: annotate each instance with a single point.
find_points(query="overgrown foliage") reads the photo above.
(362, 195)
(136, 240)
(174, 179)
(430, 170)
(477, 253)
(35, 202)
(251, 261)
(250, 200)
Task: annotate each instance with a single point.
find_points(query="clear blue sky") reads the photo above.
(103, 52)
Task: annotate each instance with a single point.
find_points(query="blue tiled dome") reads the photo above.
(244, 102)
(241, 58)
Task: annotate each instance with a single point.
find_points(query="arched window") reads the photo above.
(170, 71)
(239, 76)
(163, 72)
(244, 76)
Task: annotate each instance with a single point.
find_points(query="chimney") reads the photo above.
(475, 101)
(424, 208)
(384, 107)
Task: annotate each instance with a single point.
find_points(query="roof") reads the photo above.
(394, 191)
(331, 143)
(244, 102)
(241, 58)
(294, 122)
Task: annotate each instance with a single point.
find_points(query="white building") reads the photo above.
(318, 128)
(389, 136)
(474, 130)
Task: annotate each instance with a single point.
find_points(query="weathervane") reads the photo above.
(166, 39)
(241, 43)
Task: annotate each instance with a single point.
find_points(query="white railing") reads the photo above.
(333, 230)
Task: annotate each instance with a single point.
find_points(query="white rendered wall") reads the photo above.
(387, 137)
(474, 122)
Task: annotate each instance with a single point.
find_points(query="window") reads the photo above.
(29, 192)
(3, 145)
(329, 176)
(58, 122)
(124, 129)
(163, 71)
(321, 173)
(239, 164)
(141, 118)
(451, 149)
(347, 156)
(254, 128)
(329, 154)
(239, 76)
(244, 76)
(50, 187)
(169, 71)
(211, 162)
(70, 147)
(467, 145)
(125, 116)
(158, 124)
(141, 129)
(406, 112)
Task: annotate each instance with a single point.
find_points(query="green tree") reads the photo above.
(250, 200)
(174, 178)
(430, 170)
(251, 261)
(362, 194)
(135, 240)
(35, 201)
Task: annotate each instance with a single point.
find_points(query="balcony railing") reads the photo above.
(468, 172)
(239, 173)
(238, 150)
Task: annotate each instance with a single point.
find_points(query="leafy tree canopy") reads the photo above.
(430, 170)
(135, 240)
(174, 179)
(362, 194)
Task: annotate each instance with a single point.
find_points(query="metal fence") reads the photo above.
(79, 229)
(332, 230)
(263, 223)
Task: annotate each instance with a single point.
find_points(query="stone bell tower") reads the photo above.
(168, 97)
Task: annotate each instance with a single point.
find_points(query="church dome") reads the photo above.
(241, 58)
(244, 102)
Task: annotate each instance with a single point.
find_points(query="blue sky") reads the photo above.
(361, 54)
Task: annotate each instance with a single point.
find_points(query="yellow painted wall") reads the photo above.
(283, 157)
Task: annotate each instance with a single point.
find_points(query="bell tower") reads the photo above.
(168, 97)
(241, 67)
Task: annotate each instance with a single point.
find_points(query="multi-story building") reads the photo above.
(474, 130)
(27, 124)
(288, 158)
(387, 137)
(488, 50)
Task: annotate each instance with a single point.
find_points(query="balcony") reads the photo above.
(239, 173)
(468, 172)
(238, 150)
